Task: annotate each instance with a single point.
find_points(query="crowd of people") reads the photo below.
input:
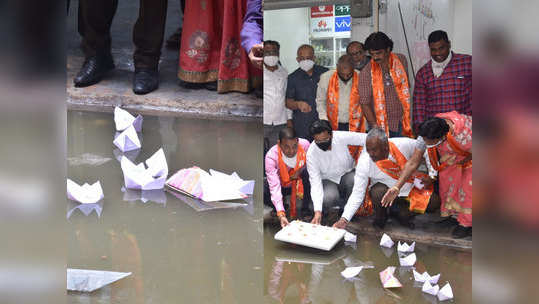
(355, 139)
(219, 44)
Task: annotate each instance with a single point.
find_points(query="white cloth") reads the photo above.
(421, 145)
(366, 169)
(275, 111)
(344, 96)
(331, 164)
(290, 161)
(438, 67)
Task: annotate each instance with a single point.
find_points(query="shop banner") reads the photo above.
(322, 11)
(342, 24)
(322, 27)
(342, 10)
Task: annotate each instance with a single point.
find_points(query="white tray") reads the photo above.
(309, 235)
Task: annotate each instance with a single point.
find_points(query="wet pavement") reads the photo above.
(295, 274)
(116, 88)
(175, 253)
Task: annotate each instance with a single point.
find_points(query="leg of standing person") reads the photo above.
(95, 20)
(148, 35)
(174, 40)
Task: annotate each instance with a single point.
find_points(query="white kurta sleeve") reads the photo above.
(353, 138)
(361, 180)
(317, 192)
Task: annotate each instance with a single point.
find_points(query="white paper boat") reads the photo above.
(349, 237)
(445, 293)
(127, 140)
(430, 289)
(131, 155)
(386, 241)
(409, 260)
(351, 272)
(423, 277)
(388, 279)
(124, 120)
(89, 280)
(404, 247)
(310, 235)
(85, 194)
(142, 178)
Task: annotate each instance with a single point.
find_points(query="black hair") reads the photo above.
(433, 128)
(345, 59)
(354, 42)
(273, 42)
(305, 46)
(378, 41)
(437, 36)
(287, 133)
(319, 126)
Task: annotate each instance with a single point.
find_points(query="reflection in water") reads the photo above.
(86, 209)
(176, 255)
(295, 274)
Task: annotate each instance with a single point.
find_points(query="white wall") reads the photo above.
(290, 27)
(462, 27)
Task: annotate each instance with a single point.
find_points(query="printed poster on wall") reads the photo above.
(322, 27)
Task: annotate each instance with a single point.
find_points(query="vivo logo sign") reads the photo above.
(342, 24)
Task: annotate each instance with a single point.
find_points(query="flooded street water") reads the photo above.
(175, 253)
(294, 274)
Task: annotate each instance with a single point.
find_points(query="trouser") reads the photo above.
(397, 133)
(95, 20)
(400, 207)
(336, 195)
(303, 206)
(344, 126)
(271, 135)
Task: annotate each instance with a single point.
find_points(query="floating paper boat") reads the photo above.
(405, 247)
(124, 120)
(430, 289)
(409, 260)
(142, 178)
(85, 194)
(386, 241)
(89, 280)
(423, 277)
(388, 279)
(445, 293)
(127, 140)
(349, 237)
(351, 272)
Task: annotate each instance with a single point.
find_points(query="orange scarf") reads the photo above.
(400, 80)
(284, 174)
(433, 155)
(419, 198)
(355, 122)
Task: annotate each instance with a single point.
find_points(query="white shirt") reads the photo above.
(366, 169)
(331, 164)
(344, 96)
(275, 111)
(438, 67)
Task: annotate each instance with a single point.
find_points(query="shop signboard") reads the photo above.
(322, 11)
(342, 24)
(322, 27)
(342, 10)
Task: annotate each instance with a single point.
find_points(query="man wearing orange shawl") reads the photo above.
(337, 99)
(384, 90)
(285, 171)
(382, 164)
(447, 138)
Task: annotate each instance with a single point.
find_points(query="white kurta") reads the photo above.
(331, 164)
(366, 169)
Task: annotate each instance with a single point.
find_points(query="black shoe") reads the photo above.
(93, 70)
(448, 222)
(175, 40)
(145, 81)
(211, 86)
(461, 232)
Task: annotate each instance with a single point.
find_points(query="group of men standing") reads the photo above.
(344, 139)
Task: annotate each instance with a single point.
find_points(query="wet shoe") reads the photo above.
(211, 86)
(461, 232)
(145, 81)
(93, 70)
(448, 222)
(174, 41)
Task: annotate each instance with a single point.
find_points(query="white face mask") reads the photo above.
(306, 65)
(436, 144)
(271, 60)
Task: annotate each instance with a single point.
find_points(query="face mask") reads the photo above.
(324, 146)
(436, 144)
(343, 79)
(306, 65)
(271, 60)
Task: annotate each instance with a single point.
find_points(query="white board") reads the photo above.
(309, 235)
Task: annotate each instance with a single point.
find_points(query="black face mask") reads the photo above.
(324, 146)
(344, 80)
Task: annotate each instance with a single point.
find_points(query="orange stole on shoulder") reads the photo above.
(356, 121)
(296, 184)
(419, 198)
(400, 80)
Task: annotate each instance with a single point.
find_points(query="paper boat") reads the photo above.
(349, 237)
(90, 280)
(386, 241)
(124, 120)
(351, 272)
(430, 289)
(424, 277)
(409, 260)
(210, 187)
(127, 140)
(445, 293)
(388, 279)
(142, 178)
(405, 247)
(85, 194)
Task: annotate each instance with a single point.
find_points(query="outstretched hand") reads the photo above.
(341, 223)
(390, 196)
(317, 219)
